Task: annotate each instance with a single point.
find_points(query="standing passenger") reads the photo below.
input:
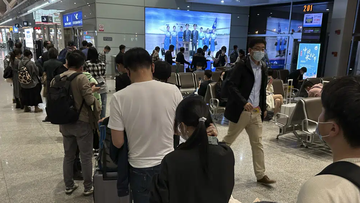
(149, 139)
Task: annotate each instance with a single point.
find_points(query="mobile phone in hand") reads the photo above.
(100, 84)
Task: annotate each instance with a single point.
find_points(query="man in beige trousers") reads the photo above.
(246, 107)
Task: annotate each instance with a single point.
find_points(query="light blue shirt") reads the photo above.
(254, 98)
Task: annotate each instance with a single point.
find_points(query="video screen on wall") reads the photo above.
(188, 29)
(308, 57)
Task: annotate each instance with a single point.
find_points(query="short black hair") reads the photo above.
(71, 43)
(200, 64)
(205, 47)
(181, 26)
(242, 52)
(121, 47)
(157, 48)
(174, 26)
(27, 53)
(255, 41)
(195, 25)
(75, 59)
(46, 44)
(208, 73)
(137, 58)
(84, 43)
(182, 49)
(171, 47)
(223, 48)
(119, 58)
(53, 53)
(308, 84)
(341, 101)
(235, 47)
(304, 69)
(18, 45)
(186, 24)
(162, 71)
(199, 51)
(107, 48)
(89, 45)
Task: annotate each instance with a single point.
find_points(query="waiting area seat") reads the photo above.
(303, 119)
(216, 76)
(187, 83)
(278, 86)
(173, 79)
(214, 103)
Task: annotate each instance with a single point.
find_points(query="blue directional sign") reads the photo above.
(73, 19)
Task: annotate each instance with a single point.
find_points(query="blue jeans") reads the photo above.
(140, 183)
(103, 105)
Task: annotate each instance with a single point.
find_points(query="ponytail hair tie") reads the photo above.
(202, 119)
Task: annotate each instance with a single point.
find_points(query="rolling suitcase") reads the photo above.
(105, 189)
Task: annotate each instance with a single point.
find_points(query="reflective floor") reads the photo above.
(31, 155)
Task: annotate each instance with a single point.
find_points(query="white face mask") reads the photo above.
(183, 133)
(317, 129)
(258, 55)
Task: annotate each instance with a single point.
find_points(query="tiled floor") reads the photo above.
(31, 156)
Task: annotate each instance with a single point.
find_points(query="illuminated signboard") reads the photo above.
(73, 19)
(313, 20)
(308, 57)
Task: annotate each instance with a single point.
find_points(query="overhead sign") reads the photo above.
(46, 19)
(29, 38)
(308, 57)
(73, 19)
(15, 29)
(313, 20)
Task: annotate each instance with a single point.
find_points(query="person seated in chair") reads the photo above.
(198, 58)
(297, 77)
(313, 90)
(199, 67)
(273, 101)
(204, 85)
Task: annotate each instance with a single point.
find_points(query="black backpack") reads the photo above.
(8, 73)
(60, 106)
(344, 169)
(225, 86)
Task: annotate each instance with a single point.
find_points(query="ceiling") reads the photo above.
(241, 3)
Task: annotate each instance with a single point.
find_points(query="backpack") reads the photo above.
(225, 84)
(60, 107)
(62, 55)
(344, 169)
(233, 57)
(24, 75)
(8, 73)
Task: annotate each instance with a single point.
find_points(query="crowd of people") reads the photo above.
(146, 112)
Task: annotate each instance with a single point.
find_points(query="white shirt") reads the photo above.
(147, 111)
(254, 97)
(329, 189)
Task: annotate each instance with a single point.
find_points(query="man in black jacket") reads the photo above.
(168, 55)
(123, 79)
(204, 85)
(246, 107)
(180, 58)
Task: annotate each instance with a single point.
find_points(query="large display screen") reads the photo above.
(189, 29)
(313, 20)
(308, 57)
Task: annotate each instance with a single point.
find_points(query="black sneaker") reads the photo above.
(89, 191)
(70, 190)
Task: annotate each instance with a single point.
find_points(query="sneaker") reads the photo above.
(70, 190)
(89, 192)
(38, 110)
(27, 109)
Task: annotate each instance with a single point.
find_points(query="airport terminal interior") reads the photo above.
(309, 44)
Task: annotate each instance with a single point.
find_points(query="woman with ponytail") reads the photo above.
(201, 170)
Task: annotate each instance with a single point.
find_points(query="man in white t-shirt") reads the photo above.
(146, 109)
(339, 127)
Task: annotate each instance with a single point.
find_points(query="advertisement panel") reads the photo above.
(308, 57)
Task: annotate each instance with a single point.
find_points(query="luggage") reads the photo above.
(105, 183)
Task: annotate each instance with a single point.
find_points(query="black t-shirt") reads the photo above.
(122, 81)
(203, 87)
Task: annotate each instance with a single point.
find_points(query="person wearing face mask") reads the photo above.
(338, 126)
(246, 107)
(199, 170)
(102, 56)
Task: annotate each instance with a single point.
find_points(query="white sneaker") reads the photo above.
(89, 191)
(70, 190)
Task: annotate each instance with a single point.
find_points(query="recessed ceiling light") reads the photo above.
(74, 2)
(238, 17)
(270, 13)
(222, 1)
(258, 14)
(188, 6)
(178, 8)
(327, 9)
(188, 10)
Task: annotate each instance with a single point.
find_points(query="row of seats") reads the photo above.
(281, 74)
(188, 82)
(303, 118)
